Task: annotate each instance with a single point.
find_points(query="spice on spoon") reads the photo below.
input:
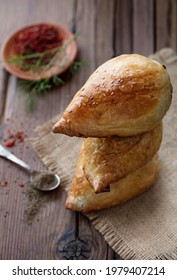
(42, 180)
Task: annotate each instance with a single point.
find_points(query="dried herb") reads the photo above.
(43, 180)
(77, 65)
(35, 200)
(33, 88)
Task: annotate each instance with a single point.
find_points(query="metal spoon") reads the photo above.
(55, 182)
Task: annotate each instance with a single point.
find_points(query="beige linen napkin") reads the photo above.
(146, 226)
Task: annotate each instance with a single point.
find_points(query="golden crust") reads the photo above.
(127, 95)
(106, 160)
(81, 196)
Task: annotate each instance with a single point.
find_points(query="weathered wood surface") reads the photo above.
(107, 28)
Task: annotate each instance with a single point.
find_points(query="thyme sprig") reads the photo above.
(34, 87)
(77, 65)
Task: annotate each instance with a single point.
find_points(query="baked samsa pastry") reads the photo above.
(81, 196)
(125, 96)
(106, 160)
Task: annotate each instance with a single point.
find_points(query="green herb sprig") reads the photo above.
(32, 88)
(77, 65)
(35, 87)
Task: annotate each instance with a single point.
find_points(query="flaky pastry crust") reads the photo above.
(81, 196)
(125, 96)
(106, 160)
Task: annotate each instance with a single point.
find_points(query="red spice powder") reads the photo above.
(14, 138)
(38, 39)
(9, 143)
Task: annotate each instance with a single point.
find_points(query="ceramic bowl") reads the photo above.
(58, 67)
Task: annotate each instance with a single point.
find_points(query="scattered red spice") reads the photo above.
(13, 138)
(21, 185)
(38, 39)
(9, 143)
(19, 136)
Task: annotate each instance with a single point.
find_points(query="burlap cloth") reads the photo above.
(145, 227)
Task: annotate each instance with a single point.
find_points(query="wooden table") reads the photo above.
(107, 28)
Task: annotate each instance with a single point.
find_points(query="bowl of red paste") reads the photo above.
(38, 51)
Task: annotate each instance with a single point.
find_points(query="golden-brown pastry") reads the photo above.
(125, 96)
(106, 160)
(81, 196)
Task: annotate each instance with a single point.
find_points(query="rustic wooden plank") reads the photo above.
(3, 87)
(104, 26)
(143, 27)
(123, 27)
(40, 239)
(16, 15)
(166, 21)
(60, 12)
(134, 27)
(9, 189)
(8, 8)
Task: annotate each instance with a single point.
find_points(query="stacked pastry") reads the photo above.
(119, 114)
